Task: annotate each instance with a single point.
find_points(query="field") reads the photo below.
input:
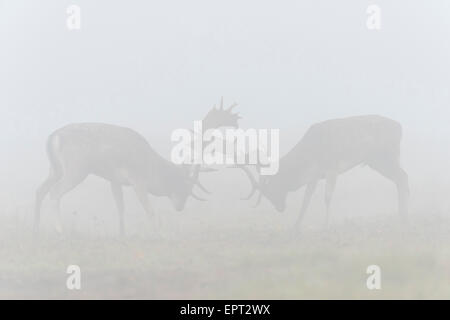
(239, 258)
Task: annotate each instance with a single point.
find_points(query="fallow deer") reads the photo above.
(124, 158)
(330, 148)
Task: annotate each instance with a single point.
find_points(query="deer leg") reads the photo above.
(67, 183)
(41, 193)
(392, 171)
(310, 188)
(118, 197)
(329, 189)
(58, 223)
(142, 195)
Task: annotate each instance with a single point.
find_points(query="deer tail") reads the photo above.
(53, 148)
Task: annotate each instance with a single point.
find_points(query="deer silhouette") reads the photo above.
(330, 148)
(124, 158)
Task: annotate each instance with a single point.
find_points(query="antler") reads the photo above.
(215, 118)
(255, 184)
(231, 108)
(194, 177)
(193, 195)
(221, 117)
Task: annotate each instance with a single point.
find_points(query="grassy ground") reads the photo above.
(243, 259)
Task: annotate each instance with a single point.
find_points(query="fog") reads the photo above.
(155, 67)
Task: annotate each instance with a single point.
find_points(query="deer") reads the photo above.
(124, 158)
(329, 149)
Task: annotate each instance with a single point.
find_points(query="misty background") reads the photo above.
(156, 66)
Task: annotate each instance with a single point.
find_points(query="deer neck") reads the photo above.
(294, 172)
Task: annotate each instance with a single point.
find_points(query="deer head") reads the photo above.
(182, 190)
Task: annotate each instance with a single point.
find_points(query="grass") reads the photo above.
(244, 258)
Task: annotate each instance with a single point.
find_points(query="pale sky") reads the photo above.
(159, 65)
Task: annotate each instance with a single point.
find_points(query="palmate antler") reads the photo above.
(215, 118)
(220, 117)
